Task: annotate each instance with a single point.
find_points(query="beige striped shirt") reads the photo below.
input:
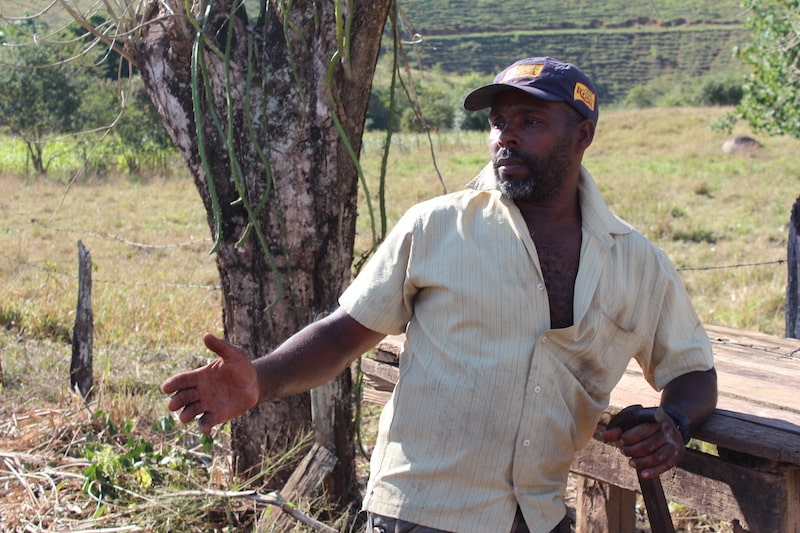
(491, 403)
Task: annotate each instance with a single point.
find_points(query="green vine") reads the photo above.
(197, 51)
(226, 131)
(201, 92)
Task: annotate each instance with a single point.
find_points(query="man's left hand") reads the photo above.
(653, 447)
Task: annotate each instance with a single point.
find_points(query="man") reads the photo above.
(523, 299)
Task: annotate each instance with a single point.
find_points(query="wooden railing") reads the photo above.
(743, 466)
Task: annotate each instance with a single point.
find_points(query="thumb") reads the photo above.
(221, 347)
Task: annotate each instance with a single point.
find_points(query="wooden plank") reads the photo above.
(759, 500)
(302, 486)
(758, 415)
(793, 497)
(388, 350)
(379, 376)
(758, 412)
(604, 507)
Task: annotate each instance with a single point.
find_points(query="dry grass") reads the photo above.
(723, 220)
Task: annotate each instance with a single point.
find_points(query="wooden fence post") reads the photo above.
(793, 268)
(80, 372)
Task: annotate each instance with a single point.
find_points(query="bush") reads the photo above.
(698, 92)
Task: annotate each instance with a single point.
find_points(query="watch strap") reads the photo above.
(682, 423)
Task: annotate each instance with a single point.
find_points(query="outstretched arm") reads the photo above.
(654, 447)
(232, 384)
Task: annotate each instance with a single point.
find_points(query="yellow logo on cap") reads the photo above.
(585, 95)
(522, 71)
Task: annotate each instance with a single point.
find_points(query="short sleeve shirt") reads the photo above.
(492, 403)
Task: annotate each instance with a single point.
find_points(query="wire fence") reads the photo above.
(212, 287)
(45, 266)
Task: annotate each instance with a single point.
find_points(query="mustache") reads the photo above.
(507, 153)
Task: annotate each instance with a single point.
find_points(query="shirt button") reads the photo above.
(544, 340)
(537, 389)
(526, 442)
(540, 286)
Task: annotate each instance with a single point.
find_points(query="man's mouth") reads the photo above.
(509, 165)
(507, 162)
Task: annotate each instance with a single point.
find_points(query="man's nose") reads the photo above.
(507, 136)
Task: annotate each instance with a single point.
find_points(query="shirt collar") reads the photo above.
(597, 217)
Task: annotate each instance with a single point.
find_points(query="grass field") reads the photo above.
(722, 218)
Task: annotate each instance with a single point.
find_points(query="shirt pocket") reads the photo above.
(596, 353)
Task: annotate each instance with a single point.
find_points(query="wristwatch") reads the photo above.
(681, 423)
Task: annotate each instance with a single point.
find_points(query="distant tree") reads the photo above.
(107, 60)
(137, 140)
(771, 95)
(40, 98)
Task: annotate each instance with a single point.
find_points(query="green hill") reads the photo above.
(619, 44)
(434, 17)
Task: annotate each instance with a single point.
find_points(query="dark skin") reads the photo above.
(232, 384)
(532, 126)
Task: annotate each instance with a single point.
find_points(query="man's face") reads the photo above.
(532, 142)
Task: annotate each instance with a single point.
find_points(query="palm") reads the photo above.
(219, 391)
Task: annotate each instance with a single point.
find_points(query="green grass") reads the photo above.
(723, 220)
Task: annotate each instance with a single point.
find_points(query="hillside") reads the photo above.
(436, 17)
(619, 44)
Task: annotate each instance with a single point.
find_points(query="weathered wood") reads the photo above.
(332, 421)
(379, 376)
(754, 483)
(323, 414)
(759, 499)
(80, 371)
(389, 348)
(379, 380)
(303, 485)
(758, 411)
(792, 305)
(604, 507)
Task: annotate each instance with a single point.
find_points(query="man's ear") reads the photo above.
(585, 134)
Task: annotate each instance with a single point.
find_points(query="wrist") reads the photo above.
(682, 423)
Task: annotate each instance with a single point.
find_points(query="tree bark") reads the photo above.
(267, 95)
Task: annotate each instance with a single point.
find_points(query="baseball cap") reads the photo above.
(545, 78)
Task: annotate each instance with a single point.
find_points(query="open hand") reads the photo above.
(217, 392)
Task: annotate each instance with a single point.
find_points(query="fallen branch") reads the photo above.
(273, 498)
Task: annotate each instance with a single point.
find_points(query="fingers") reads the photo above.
(221, 347)
(190, 404)
(186, 380)
(216, 392)
(652, 448)
(177, 382)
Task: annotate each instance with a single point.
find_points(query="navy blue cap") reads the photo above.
(545, 78)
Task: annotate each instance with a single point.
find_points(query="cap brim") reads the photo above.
(483, 97)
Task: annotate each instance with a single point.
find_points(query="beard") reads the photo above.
(544, 179)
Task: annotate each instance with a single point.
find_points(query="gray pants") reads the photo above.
(382, 524)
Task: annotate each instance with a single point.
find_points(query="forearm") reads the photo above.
(694, 395)
(313, 356)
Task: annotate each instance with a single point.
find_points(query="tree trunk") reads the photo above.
(279, 141)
